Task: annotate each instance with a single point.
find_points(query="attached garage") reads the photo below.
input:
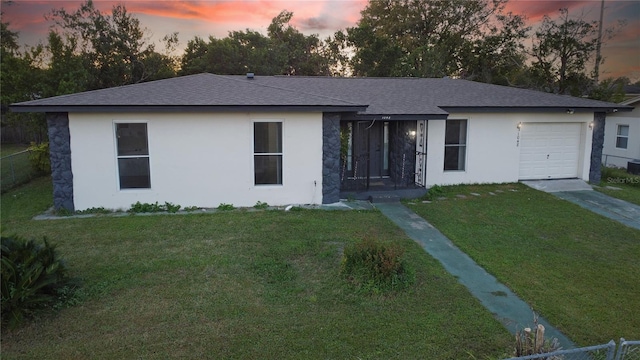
(550, 150)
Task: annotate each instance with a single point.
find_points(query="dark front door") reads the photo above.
(371, 149)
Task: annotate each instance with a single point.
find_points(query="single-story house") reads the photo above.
(622, 136)
(203, 140)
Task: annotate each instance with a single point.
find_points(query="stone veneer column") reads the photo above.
(330, 158)
(60, 150)
(595, 172)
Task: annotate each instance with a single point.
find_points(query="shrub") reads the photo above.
(32, 274)
(373, 266)
(261, 205)
(139, 207)
(225, 207)
(434, 192)
(39, 157)
(172, 208)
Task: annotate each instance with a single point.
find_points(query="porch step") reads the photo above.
(384, 198)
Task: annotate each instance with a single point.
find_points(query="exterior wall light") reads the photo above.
(591, 125)
(412, 133)
(519, 125)
(570, 111)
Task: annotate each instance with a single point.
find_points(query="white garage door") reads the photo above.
(549, 150)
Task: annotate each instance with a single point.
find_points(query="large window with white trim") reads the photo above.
(455, 145)
(267, 153)
(133, 155)
(622, 136)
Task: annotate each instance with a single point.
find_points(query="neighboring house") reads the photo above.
(203, 140)
(622, 136)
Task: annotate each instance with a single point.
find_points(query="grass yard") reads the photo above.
(622, 185)
(240, 285)
(577, 269)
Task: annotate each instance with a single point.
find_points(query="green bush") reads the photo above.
(39, 157)
(32, 275)
(139, 207)
(374, 266)
(434, 192)
(261, 205)
(225, 207)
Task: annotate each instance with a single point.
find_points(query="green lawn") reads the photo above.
(240, 285)
(577, 269)
(620, 184)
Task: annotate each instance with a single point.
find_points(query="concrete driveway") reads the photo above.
(582, 194)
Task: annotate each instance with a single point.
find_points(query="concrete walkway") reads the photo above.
(507, 308)
(581, 193)
(615, 209)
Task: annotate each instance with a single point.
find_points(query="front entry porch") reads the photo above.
(384, 190)
(382, 159)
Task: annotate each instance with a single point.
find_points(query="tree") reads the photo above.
(426, 38)
(297, 54)
(19, 72)
(284, 51)
(113, 47)
(562, 50)
(560, 53)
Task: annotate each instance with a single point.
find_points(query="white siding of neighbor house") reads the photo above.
(493, 151)
(612, 156)
(196, 159)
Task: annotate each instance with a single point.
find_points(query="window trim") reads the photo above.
(465, 145)
(618, 135)
(118, 157)
(254, 153)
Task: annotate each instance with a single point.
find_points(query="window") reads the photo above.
(622, 136)
(455, 145)
(133, 156)
(267, 153)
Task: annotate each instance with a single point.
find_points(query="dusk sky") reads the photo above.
(217, 18)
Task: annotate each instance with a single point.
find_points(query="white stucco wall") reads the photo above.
(196, 159)
(612, 156)
(493, 152)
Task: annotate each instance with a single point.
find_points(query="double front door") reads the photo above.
(368, 149)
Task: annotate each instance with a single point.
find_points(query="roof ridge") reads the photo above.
(234, 78)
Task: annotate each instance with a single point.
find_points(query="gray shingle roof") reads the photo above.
(192, 90)
(368, 96)
(420, 95)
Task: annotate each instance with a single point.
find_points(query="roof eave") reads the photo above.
(395, 117)
(184, 108)
(531, 109)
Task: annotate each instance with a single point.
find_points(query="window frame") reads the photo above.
(258, 154)
(619, 136)
(135, 156)
(463, 146)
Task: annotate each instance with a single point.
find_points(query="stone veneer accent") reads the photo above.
(330, 158)
(595, 172)
(60, 154)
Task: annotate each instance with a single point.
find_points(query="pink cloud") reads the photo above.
(324, 17)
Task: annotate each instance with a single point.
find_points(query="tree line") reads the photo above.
(470, 39)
